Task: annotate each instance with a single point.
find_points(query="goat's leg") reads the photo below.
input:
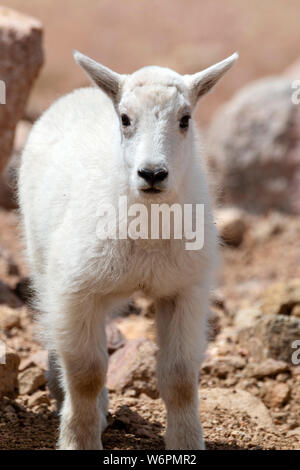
(181, 325)
(80, 345)
(57, 392)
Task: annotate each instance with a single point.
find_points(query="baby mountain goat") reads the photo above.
(131, 136)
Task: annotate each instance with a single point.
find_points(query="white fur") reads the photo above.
(77, 158)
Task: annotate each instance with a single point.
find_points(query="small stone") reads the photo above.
(296, 371)
(9, 317)
(277, 395)
(270, 367)
(38, 398)
(296, 311)
(283, 377)
(247, 317)
(231, 225)
(282, 298)
(31, 380)
(266, 228)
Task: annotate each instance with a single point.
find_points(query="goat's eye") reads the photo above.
(125, 120)
(184, 121)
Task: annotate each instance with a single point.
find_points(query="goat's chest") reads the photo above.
(159, 269)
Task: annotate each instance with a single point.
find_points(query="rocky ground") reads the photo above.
(249, 386)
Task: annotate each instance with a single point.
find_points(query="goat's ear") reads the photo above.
(202, 82)
(110, 82)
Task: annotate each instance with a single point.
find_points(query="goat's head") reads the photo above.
(155, 107)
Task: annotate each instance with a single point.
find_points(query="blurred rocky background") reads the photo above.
(249, 381)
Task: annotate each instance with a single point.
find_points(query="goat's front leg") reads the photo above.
(80, 347)
(181, 326)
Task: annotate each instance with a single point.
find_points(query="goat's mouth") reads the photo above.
(151, 190)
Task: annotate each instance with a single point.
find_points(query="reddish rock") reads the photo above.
(133, 368)
(278, 394)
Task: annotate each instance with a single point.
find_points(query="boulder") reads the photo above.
(21, 60)
(254, 148)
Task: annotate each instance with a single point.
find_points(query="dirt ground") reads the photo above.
(138, 422)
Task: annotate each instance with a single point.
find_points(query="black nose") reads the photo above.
(153, 176)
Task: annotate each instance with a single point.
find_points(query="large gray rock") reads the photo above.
(254, 147)
(272, 336)
(20, 61)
